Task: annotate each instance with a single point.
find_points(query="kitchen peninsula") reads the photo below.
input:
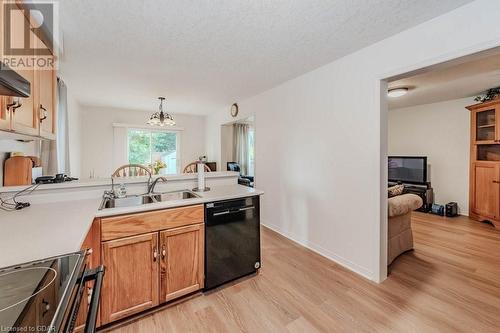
(160, 243)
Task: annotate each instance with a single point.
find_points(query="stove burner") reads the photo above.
(29, 287)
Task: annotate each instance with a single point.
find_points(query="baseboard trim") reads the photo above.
(364, 272)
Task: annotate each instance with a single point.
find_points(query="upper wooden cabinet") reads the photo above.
(24, 118)
(47, 103)
(485, 121)
(4, 114)
(37, 114)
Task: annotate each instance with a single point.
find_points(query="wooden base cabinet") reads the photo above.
(131, 280)
(485, 192)
(92, 244)
(150, 258)
(182, 261)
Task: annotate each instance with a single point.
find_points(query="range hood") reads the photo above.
(13, 84)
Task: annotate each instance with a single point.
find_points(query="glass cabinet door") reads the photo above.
(486, 125)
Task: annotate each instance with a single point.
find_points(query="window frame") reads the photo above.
(178, 138)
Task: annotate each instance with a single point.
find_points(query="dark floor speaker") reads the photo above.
(451, 209)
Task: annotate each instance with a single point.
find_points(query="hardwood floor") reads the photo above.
(449, 283)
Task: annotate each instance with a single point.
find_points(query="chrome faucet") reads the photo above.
(151, 187)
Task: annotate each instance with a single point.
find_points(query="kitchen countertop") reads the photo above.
(50, 229)
(106, 182)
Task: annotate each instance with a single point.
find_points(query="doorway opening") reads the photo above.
(441, 169)
(238, 149)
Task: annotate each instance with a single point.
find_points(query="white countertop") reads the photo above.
(99, 182)
(49, 229)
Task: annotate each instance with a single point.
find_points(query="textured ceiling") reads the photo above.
(448, 82)
(203, 55)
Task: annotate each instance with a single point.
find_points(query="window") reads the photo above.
(148, 146)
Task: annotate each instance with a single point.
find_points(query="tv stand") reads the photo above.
(424, 191)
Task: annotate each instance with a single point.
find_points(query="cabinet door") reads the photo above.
(497, 116)
(4, 114)
(24, 118)
(92, 243)
(47, 98)
(486, 193)
(131, 280)
(182, 261)
(485, 125)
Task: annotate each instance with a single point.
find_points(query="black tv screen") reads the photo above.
(408, 169)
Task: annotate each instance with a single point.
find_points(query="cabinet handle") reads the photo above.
(496, 182)
(15, 105)
(163, 252)
(155, 254)
(90, 291)
(45, 307)
(43, 113)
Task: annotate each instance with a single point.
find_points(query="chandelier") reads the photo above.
(160, 118)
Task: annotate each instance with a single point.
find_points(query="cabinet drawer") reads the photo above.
(134, 224)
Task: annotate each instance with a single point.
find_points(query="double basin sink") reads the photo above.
(138, 200)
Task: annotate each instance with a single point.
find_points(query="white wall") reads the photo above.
(97, 137)
(440, 131)
(75, 135)
(321, 144)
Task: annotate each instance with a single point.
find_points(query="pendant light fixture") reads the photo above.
(159, 118)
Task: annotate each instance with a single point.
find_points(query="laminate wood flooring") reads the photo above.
(449, 283)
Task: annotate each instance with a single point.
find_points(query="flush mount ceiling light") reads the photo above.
(397, 92)
(160, 118)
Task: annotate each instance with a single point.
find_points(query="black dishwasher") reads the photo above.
(232, 240)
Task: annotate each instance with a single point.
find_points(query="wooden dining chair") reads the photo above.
(193, 168)
(131, 170)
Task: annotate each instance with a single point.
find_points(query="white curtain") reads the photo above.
(241, 146)
(54, 155)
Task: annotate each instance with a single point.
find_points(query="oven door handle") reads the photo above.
(95, 275)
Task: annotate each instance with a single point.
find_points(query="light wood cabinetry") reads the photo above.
(92, 244)
(133, 224)
(4, 114)
(181, 265)
(150, 258)
(47, 103)
(484, 188)
(131, 278)
(26, 119)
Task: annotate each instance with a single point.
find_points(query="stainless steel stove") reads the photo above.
(44, 295)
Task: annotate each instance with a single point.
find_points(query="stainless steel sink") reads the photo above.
(129, 201)
(138, 200)
(175, 195)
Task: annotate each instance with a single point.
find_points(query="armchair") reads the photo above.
(242, 180)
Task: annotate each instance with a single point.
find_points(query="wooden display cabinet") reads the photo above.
(484, 182)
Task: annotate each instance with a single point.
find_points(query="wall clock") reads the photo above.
(234, 110)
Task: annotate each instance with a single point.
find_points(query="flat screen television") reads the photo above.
(408, 169)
